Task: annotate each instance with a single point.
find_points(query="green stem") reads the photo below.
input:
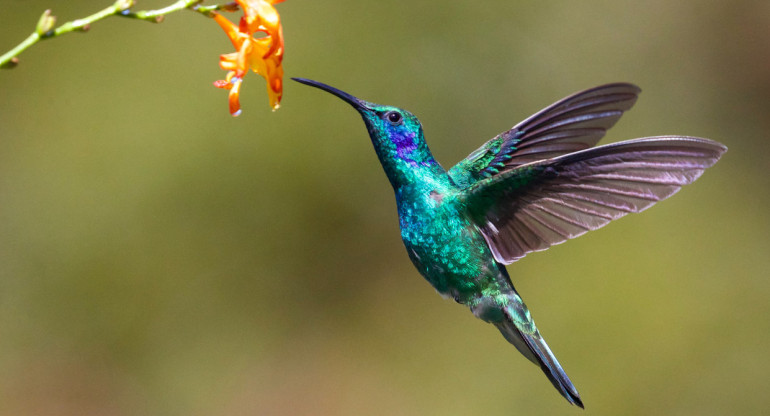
(119, 8)
(9, 60)
(158, 15)
(194, 5)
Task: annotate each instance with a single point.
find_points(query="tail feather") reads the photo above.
(533, 346)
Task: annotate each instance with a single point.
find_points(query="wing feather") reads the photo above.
(537, 205)
(569, 125)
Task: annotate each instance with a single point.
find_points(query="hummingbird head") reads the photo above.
(396, 133)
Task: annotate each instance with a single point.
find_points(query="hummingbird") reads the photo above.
(536, 185)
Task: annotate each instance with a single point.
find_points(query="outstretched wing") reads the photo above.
(534, 206)
(574, 123)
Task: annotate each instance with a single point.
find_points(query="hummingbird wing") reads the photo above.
(534, 206)
(571, 124)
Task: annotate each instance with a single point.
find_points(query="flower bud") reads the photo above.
(46, 23)
(124, 4)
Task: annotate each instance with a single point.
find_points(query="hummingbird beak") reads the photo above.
(355, 102)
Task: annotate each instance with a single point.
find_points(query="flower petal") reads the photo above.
(230, 30)
(233, 97)
(263, 55)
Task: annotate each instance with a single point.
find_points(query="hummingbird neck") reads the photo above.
(409, 161)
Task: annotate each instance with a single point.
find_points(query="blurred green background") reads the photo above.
(159, 257)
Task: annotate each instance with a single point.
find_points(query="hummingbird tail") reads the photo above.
(533, 346)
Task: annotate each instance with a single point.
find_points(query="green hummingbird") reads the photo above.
(538, 184)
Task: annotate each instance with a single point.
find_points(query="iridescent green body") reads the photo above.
(441, 240)
(436, 226)
(438, 229)
(531, 187)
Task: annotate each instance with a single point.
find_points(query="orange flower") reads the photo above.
(262, 55)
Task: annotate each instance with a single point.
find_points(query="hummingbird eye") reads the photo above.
(393, 117)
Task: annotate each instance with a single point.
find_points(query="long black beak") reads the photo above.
(355, 102)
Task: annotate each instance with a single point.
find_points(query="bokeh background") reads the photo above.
(159, 257)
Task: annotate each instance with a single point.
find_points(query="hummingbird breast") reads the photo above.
(444, 245)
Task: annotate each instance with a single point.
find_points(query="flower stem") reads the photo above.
(119, 8)
(9, 59)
